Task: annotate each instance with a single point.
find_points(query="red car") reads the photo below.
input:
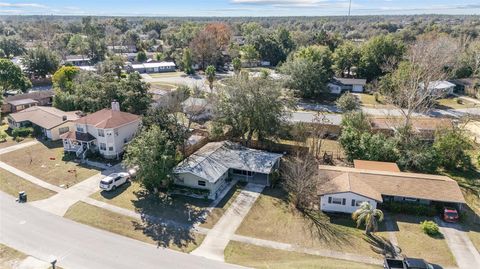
(450, 214)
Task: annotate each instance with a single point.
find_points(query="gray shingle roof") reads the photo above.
(214, 159)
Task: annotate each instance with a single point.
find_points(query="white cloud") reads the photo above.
(4, 4)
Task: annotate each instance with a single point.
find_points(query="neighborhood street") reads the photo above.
(76, 246)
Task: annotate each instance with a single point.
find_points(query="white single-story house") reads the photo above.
(153, 67)
(440, 87)
(51, 121)
(346, 188)
(339, 85)
(211, 166)
(77, 60)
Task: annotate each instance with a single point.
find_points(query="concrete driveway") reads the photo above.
(462, 248)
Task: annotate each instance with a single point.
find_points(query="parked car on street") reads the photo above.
(450, 214)
(112, 181)
(407, 263)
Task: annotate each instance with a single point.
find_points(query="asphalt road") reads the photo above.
(77, 246)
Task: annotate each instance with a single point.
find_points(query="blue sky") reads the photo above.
(236, 7)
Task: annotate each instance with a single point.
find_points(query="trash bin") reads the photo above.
(22, 197)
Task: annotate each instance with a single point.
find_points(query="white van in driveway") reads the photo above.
(112, 181)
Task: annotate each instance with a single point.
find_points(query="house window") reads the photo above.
(110, 148)
(101, 133)
(358, 203)
(353, 202)
(202, 183)
(242, 172)
(80, 129)
(406, 199)
(337, 201)
(103, 146)
(63, 130)
(180, 180)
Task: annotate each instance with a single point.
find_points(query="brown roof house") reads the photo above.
(51, 121)
(106, 131)
(346, 188)
(19, 102)
(425, 127)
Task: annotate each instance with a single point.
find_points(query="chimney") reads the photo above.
(115, 105)
(64, 118)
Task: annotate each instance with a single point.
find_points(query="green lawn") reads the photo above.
(47, 162)
(134, 197)
(12, 184)
(454, 103)
(415, 243)
(149, 232)
(272, 218)
(167, 74)
(260, 257)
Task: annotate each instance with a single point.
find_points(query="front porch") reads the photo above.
(80, 143)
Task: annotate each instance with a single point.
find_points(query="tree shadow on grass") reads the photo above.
(114, 193)
(176, 208)
(322, 227)
(166, 235)
(382, 246)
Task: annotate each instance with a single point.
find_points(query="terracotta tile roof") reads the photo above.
(107, 118)
(45, 117)
(378, 166)
(412, 185)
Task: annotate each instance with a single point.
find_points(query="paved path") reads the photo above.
(319, 252)
(214, 244)
(30, 178)
(462, 248)
(40, 234)
(18, 146)
(59, 203)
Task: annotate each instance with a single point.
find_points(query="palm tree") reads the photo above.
(368, 215)
(210, 72)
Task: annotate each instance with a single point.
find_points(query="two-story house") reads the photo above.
(106, 131)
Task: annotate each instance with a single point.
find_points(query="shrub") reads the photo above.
(410, 209)
(429, 227)
(459, 101)
(347, 102)
(18, 139)
(377, 97)
(3, 136)
(22, 132)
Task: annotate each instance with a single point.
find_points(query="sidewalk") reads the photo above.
(17, 147)
(61, 202)
(30, 178)
(217, 239)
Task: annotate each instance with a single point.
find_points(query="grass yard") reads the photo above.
(176, 239)
(12, 184)
(416, 244)
(167, 74)
(162, 86)
(47, 162)
(134, 197)
(368, 100)
(448, 103)
(11, 258)
(272, 218)
(224, 204)
(260, 257)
